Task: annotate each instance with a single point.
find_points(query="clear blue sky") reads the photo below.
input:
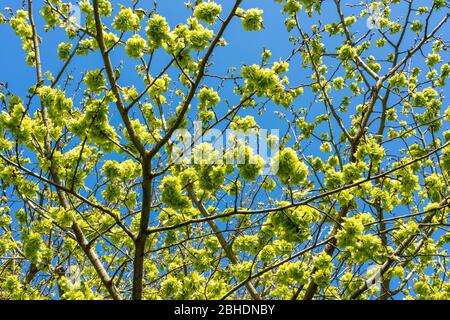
(244, 48)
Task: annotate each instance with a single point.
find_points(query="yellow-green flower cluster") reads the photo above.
(244, 124)
(199, 36)
(209, 168)
(208, 98)
(94, 124)
(172, 194)
(160, 86)
(292, 225)
(324, 267)
(20, 25)
(135, 46)
(58, 105)
(253, 163)
(126, 20)
(251, 19)
(64, 50)
(362, 247)
(346, 53)
(157, 31)
(207, 11)
(50, 16)
(15, 122)
(291, 170)
(292, 273)
(95, 81)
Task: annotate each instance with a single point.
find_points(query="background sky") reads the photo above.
(244, 49)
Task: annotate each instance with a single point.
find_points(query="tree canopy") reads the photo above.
(149, 158)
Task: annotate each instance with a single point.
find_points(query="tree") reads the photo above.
(113, 189)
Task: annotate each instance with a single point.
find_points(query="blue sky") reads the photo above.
(244, 48)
